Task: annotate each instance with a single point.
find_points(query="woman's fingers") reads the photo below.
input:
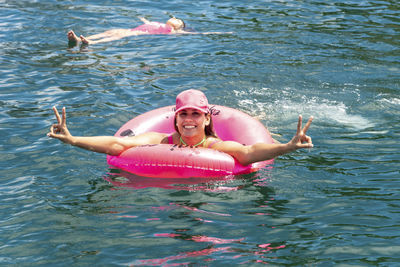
(53, 130)
(56, 129)
(61, 120)
(305, 129)
(57, 114)
(64, 117)
(303, 141)
(309, 141)
(59, 130)
(50, 133)
(299, 124)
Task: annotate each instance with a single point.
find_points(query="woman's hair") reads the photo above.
(208, 130)
(183, 24)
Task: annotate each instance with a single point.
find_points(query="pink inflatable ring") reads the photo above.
(173, 161)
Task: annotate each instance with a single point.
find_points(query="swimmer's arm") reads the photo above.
(261, 151)
(102, 144)
(112, 145)
(204, 33)
(145, 21)
(249, 154)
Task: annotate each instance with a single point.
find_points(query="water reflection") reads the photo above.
(122, 179)
(255, 253)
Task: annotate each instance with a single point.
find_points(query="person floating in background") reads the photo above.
(193, 127)
(172, 26)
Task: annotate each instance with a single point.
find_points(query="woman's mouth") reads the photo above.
(189, 126)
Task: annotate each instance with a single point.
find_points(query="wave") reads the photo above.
(284, 106)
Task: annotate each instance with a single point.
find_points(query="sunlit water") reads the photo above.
(335, 205)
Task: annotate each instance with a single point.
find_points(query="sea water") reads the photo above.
(334, 205)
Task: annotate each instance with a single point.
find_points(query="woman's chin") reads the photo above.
(189, 133)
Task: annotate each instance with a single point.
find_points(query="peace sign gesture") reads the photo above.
(301, 140)
(60, 130)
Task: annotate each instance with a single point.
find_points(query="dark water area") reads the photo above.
(334, 205)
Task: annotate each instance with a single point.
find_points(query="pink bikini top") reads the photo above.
(171, 141)
(154, 28)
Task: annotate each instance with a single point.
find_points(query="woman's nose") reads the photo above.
(189, 117)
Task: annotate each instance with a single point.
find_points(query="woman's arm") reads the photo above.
(102, 144)
(145, 21)
(262, 151)
(186, 32)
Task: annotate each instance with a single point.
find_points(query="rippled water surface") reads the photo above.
(335, 205)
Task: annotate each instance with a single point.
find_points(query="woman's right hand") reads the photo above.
(60, 130)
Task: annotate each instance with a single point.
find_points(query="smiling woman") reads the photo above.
(183, 161)
(194, 127)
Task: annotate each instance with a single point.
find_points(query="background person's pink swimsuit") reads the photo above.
(154, 28)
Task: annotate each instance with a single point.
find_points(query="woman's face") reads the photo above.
(191, 122)
(175, 23)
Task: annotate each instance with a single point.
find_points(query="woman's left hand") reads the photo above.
(301, 140)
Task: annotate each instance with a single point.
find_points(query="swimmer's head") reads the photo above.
(175, 23)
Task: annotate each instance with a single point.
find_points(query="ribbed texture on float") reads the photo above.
(171, 161)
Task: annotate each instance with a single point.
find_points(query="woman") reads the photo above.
(172, 26)
(193, 126)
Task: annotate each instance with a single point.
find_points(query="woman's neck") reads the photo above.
(194, 141)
